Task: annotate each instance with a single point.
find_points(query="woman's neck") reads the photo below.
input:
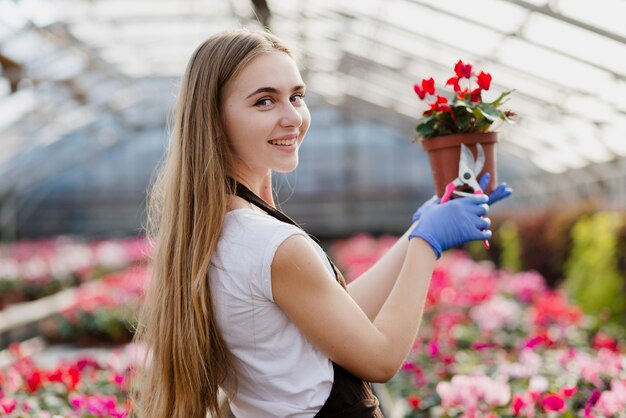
(261, 186)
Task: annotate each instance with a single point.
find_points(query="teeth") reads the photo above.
(283, 142)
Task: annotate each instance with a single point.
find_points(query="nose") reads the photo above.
(291, 116)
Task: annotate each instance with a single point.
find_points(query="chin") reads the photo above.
(286, 168)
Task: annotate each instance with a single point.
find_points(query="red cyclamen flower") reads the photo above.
(484, 80)
(419, 91)
(454, 82)
(428, 85)
(463, 70)
(475, 96)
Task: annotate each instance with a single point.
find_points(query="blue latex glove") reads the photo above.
(454, 223)
(434, 200)
(499, 193)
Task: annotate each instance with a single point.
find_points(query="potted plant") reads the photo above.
(463, 119)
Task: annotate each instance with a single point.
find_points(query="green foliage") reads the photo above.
(511, 250)
(593, 278)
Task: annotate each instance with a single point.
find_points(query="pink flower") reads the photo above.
(77, 401)
(613, 401)
(467, 391)
(8, 405)
(553, 402)
(433, 349)
(495, 313)
(119, 379)
(522, 404)
(568, 391)
(524, 286)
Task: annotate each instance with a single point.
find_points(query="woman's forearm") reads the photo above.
(372, 288)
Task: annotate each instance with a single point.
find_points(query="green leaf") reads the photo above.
(426, 128)
(499, 101)
(464, 120)
(489, 112)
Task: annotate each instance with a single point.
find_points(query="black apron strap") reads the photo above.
(243, 192)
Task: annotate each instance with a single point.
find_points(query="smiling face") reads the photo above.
(265, 116)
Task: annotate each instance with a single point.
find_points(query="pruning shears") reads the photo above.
(468, 168)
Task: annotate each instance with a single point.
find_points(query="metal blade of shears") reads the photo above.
(467, 160)
(480, 159)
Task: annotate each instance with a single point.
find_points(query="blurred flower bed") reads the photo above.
(498, 344)
(104, 311)
(84, 387)
(31, 270)
(571, 247)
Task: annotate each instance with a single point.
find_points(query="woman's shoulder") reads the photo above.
(247, 221)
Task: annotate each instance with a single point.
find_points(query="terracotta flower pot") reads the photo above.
(444, 153)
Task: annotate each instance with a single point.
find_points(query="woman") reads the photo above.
(241, 298)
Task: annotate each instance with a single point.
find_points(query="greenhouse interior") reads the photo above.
(531, 323)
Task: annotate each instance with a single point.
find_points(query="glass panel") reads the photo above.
(615, 138)
(607, 14)
(590, 107)
(577, 42)
(584, 138)
(444, 28)
(550, 66)
(493, 13)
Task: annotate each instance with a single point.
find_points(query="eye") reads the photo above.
(298, 97)
(264, 102)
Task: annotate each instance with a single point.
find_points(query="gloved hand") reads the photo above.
(499, 193)
(454, 223)
(434, 200)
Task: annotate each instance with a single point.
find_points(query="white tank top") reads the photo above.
(279, 372)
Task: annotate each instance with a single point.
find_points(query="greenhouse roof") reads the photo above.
(565, 59)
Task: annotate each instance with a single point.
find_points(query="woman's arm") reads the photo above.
(371, 288)
(329, 317)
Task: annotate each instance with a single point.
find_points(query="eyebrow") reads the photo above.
(273, 90)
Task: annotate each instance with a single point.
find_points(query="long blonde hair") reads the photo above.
(187, 357)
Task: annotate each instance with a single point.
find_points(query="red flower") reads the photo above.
(553, 308)
(602, 340)
(454, 82)
(463, 70)
(414, 401)
(419, 91)
(475, 96)
(462, 93)
(55, 376)
(484, 80)
(74, 377)
(34, 380)
(439, 105)
(553, 403)
(429, 85)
